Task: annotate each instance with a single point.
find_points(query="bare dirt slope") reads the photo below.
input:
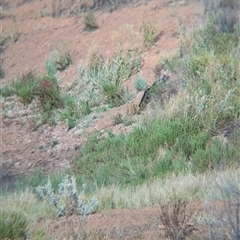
(33, 34)
(37, 38)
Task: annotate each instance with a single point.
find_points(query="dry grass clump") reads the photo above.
(48, 93)
(90, 21)
(148, 31)
(95, 58)
(225, 14)
(75, 7)
(176, 220)
(223, 221)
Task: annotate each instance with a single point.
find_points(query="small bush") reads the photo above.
(85, 108)
(148, 31)
(158, 69)
(95, 59)
(140, 84)
(63, 56)
(103, 84)
(176, 220)
(13, 225)
(112, 92)
(90, 21)
(63, 60)
(118, 119)
(48, 93)
(73, 203)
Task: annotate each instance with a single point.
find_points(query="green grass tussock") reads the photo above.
(13, 225)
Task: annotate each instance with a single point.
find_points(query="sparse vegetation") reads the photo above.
(224, 14)
(60, 58)
(15, 34)
(28, 86)
(47, 90)
(90, 21)
(103, 82)
(223, 221)
(148, 31)
(95, 59)
(23, 87)
(175, 151)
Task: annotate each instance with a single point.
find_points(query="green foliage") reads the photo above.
(13, 225)
(209, 70)
(90, 21)
(63, 60)
(6, 91)
(140, 84)
(215, 155)
(104, 83)
(148, 31)
(29, 86)
(23, 87)
(134, 158)
(50, 67)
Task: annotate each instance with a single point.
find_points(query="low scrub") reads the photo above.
(222, 220)
(47, 90)
(190, 139)
(23, 87)
(90, 21)
(73, 203)
(60, 58)
(177, 220)
(148, 31)
(223, 13)
(140, 84)
(102, 83)
(29, 86)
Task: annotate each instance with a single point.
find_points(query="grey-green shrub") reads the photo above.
(67, 190)
(59, 60)
(104, 85)
(140, 84)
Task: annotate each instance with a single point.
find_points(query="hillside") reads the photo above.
(139, 100)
